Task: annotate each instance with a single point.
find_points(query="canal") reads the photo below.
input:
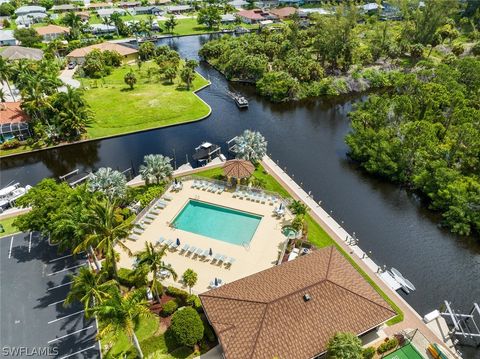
(308, 140)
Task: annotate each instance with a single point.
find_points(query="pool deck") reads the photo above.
(261, 253)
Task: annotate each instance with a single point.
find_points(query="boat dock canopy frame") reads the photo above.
(465, 326)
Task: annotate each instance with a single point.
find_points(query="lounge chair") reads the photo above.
(199, 251)
(169, 243)
(164, 273)
(161, 240)
(147, 220)
(137, 230)
(133, 237)
(194, 184)
(185, 247)
(191, 250)
(167, 197)
(174, 245)
(216, 257)
(229, 261)
(160, 205)
(205, 253)
(154, 211)
(222, 258)
(151, 216)
(221, 189)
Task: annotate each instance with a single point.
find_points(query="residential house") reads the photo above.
(147, 10)
(293, 309)
(7, 38)
(13, 122)
(255, 16)
(30, 19)
(128, 4)
(129, 54)
(98, 5)
(283, 12)
(52, 32)
(228, 19)
(26, 10)
(159, 2)
(12, 53)
(83, 15)
(102, 29)
(106, 13)
(178, 9)
(64, 8)
(238, 4)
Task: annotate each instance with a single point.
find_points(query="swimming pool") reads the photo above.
(217, 222)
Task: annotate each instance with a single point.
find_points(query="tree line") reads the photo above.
(425, 134)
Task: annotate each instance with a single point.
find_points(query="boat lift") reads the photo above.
(232, 147)
(74, 178)
(465, 326)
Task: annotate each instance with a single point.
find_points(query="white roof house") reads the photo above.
(102, 28)
(25, 10)
(7, 38)
(110, 12)
(29, 19)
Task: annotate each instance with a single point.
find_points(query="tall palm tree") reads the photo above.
(105, 228)
(153, 259)
(89, 288)
(155, 168)
(122, 314)
(6, 72)
(74, 22)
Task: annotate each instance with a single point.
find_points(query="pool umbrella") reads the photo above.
(175, 181)
(238, 168)
(178, 241)
(210, 252)
(216, 281)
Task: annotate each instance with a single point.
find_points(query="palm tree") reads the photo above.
(155, 168)
(170, 24)
(5, 74)
(251, 146)
(89, 288)
(298, 208)
(74, 22)
(153, 259)
(122, 314)
(105, 227)
(190, 278)
(112, 184)
(2, 96)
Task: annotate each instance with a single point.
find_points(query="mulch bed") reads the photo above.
(157, 309)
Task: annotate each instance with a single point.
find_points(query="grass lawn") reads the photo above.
(151, 104)
(7, 226)
(151, 341)
(191, 27)
(316, 234)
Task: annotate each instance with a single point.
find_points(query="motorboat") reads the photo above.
(240, 100)
(10, 193)
(407, 286)
(206, 152)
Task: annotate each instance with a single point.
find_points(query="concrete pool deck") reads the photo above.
(261, 253)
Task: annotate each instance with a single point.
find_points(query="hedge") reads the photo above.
(388, 345)
(194, 301)
(169, 308)
(187, 327)
(178, 293)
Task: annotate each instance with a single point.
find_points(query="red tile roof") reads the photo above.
(10, 112)
(255, 14)
(284, 12)
(265, 315)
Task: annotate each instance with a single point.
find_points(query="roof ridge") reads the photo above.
(362, 296)
(235, 299)
(257, 335)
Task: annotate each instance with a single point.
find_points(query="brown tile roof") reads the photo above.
(265, 315)
(255, 14)
(95, 5)
(52, 29)
(283, 12)
(122, 50)
(10, 112)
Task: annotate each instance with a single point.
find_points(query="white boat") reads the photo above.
(407, 286)
(10, 193)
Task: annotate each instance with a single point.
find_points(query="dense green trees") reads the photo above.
(345, 346)
(28, 37)
(426, 135)
(209, 16)
(187, 326)
(99, 63)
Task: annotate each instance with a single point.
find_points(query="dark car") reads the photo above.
(71, 65)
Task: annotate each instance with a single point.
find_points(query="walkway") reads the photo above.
(412, 319)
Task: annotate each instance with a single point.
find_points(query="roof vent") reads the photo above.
(306, 297)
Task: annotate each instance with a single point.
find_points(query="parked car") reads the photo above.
(71, 65)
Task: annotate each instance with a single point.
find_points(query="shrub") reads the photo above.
(388, 345)
(169, 308)
(476, 49)
(277, 86)
(132, 278)
(178, 293)
(344, 345)
(10, 144)
(187, 327)
(152, 192)
(194, 302)
(458, 49)
(209, 333)
(368, 353)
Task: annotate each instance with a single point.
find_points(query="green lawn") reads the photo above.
(8, 227)
(151, 104)
(151, 341)
(191, 27)
(316, 234)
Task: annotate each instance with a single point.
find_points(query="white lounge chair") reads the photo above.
(137, 230)
(222, 258)
(169, 243)
(147, 220)
(155, 211)
(160, 205)
(216, 257)
(151, 216)
(185, 247)
(133, 237)
(199, 251)
(191, 250)
(167, 197)
(229, 261)
(161, 240)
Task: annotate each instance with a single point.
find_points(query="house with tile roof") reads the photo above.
(255, 16)
(293, 309)
(52, 32)
(128, 54)
(13, 53)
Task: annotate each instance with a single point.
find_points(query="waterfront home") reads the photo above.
(30, 19)
(26, 10)
(293, 309)
(19, 52)
(147, 10)
(52, 32)
(178, 9)
(255, 16)
(128, 54)
(13, 122)
(63, 8)
(128, 4)
(102, 29)
(228, 19)
(106, 13)
(83, 15)
(283, 12)
(7, 38)
(98, 5)
(238, 4)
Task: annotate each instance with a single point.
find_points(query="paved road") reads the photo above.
(34, 282)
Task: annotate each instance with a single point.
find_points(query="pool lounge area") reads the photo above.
(222, 235)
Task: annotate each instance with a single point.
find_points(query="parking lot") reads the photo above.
(34, 282)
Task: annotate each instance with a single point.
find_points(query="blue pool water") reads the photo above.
(217, 222)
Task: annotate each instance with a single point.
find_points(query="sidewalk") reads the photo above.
(412, 320)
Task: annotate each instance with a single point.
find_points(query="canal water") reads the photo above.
(308, 140)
